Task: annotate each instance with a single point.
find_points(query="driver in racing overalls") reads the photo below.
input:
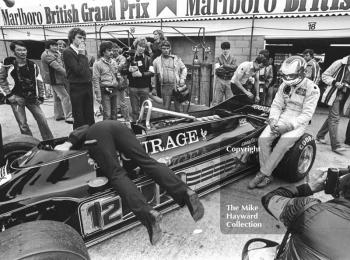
(291, 111)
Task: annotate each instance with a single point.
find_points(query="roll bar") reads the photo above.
(147, 104)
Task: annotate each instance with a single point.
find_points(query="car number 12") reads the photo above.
(100, 214)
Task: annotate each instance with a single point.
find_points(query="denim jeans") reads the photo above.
(18, 105)
(270, 95)
(137, 96)
(167, 96)
(331, 123)
(222, 91)
(122, 103)
(109, 104)
(62, 106)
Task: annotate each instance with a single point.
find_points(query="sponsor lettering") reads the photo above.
(261, 108)
(65, 12)
(181, 139)
(248, 142)
(76, 13)
(305, 142)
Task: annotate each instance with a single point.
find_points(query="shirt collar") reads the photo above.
(226, 56)
(74, 48)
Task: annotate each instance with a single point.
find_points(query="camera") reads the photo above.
(129, 54)
(333, 180)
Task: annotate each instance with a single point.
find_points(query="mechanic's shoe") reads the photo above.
(194, 205)
(257, 179)
(69, 120)
(339, 150)
(320, 141)
(266, 181)
(153, 227)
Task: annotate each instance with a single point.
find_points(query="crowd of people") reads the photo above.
(149, 70)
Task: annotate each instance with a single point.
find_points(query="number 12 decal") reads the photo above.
(101, 214)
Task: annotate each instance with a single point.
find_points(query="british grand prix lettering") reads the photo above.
(43, 13)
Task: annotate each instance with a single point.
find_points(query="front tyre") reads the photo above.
(42, 239)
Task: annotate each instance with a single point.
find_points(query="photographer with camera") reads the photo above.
(22, 85)
(316, 230)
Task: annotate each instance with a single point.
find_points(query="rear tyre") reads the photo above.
(298, 161)
(42, 239)
(18, 146)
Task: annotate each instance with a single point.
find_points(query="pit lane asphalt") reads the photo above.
(183, 238)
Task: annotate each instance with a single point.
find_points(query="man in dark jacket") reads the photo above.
(112, 136)
(318, 230)
(139, 75)
(79, 77)
(21, 83)
(55, 75)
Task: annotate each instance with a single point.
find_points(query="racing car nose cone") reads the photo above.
(98, 182)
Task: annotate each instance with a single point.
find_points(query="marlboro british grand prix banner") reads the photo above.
(43, 12)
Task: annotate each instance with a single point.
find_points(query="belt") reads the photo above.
(225, 77)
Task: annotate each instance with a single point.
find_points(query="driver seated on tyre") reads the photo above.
(112, 136)
(290, 113)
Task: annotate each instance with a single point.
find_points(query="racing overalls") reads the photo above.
(293, 106)
(318, 230)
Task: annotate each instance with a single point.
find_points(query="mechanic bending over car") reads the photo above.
(317, 230)
(290, 113)
(111, 136)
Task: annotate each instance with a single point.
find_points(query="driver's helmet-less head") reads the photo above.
(293, 70)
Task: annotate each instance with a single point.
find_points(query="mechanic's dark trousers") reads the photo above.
(81, 97)
(112, 136)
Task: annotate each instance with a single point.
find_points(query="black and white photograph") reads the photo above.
(175, 129)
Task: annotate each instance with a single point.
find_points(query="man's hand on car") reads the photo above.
(316, 180)
(63, 147)
(249, 94)
(257, 99)
(338, 84)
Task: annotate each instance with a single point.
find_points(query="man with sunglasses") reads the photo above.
(291, 111)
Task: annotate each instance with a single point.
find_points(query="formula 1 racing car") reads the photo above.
(57, 199)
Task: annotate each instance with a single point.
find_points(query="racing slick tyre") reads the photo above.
(16, 147)
(298, 161)
(42, 239)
